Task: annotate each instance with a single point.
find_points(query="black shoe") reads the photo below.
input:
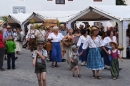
(2, 69)
(16, 58)
(63, 60)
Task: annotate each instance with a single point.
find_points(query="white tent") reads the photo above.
(18, 18)
(62, 16)
(115, 13)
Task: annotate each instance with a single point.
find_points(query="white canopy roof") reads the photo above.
(62, 16)
(18, 18)
(103, 13)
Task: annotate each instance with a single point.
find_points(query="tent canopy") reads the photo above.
(18, 18)
(93, 13)
(62, 16)
(37, 19)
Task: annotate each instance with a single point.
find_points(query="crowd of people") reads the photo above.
(84, 43)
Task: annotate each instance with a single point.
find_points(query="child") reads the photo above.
(39, 56)
(10, 48)
(74, 61)
(114, 53)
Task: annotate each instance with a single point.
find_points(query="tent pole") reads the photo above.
(122, 38)
(22, 27)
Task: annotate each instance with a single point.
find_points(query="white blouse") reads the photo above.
(107, 40)
(97, 42)
(56, 38)
(82, 39)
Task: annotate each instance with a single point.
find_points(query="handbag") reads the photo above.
(48, 46)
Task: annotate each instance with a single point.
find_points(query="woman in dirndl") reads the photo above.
(106, 46)
(68, 42)
(94, 60)
(83, 57)
(55, 55)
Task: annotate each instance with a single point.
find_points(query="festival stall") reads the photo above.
(119, 14)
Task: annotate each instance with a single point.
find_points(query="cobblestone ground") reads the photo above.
(24, 75)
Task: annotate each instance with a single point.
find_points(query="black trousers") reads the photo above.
(11, 56)
(2, 52)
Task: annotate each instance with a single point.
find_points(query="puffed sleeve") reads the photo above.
(109, 51)
(101, 41)
(85, 44)
(105, 41)
(50, 36)
(114, 38)
(61, 36)
(34, 55)
(79, 41)
(119, 52)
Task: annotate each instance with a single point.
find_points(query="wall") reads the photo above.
(6, 6)
(127, 2)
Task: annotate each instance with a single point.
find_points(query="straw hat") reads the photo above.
(62, 25)
(9, 38)
(93, 28)
(114, 44)
(55, 27)
(41, 25)
(8, 26)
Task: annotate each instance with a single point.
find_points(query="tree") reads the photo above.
(120, 2)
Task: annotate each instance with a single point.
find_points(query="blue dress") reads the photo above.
(55, 52)
(83, 57)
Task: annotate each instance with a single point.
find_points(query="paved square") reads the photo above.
(24, 75)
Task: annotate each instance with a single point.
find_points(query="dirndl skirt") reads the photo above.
(94, 60)
(106, 57)
(55, 54)
(114, 68)
(83, 57)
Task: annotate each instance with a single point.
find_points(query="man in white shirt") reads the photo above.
(31, 38)
(40, 34)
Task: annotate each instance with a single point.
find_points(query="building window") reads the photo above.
(19, 9)
(70, 0)
(60, 1)
(18, 0)
(97, 0)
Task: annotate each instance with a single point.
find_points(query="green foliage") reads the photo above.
(58, 23)
(36, 26)
(32, 21)
(120, 2)
(5, 18)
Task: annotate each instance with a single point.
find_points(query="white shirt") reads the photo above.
(40, 34)
(82, 39)
(127, 41)
(43, 52)
(97, 42)
(107, 40)
(109, 51)
(56, 38)
(15, 36)
(31, 34)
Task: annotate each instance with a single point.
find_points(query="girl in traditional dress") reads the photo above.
(114, 54)
(106, 43)
(83, 57)
(94, 60)
(68, 42)
(55, 37)
(77, 34)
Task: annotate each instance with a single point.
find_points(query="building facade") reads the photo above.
(28, 6)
